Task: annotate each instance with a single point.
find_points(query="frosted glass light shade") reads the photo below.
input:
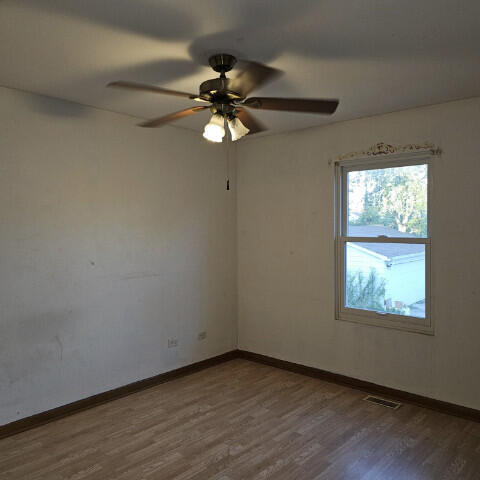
(237, 128)
(214, 130)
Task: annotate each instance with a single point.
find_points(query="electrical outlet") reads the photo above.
(172, 342)
(202, 335)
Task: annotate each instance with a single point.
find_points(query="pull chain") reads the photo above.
(229, 140)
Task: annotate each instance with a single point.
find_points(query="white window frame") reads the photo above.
(368, 317)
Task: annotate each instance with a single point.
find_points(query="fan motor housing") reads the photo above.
(219, 90)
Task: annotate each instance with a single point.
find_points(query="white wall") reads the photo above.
(286, 252)
(112, 239)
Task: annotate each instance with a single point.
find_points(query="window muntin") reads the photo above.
(383, 243)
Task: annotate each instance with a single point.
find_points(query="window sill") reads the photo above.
(409, 324)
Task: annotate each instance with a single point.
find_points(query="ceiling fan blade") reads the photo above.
(154, 89)
(292, 104)
(249, 121)
(254, 76)
(171, 117)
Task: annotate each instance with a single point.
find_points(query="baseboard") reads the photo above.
(368, 387)
(86, 403)
(89, 402)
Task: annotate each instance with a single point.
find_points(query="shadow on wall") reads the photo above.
(317, 30)
(265, 31)
(156, 72)
(310, 29)
(56, 108)
(159, 20)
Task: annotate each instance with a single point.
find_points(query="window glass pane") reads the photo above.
(388, 201)
(386, 277)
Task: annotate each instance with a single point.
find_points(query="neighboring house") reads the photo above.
(401, 265)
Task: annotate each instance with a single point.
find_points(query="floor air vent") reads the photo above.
(383, 402)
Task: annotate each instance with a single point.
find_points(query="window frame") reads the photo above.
(369, 317)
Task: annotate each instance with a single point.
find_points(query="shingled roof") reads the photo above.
(389, 250)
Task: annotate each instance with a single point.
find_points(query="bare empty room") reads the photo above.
(239, 240)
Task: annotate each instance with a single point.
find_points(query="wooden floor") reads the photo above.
(243, 420)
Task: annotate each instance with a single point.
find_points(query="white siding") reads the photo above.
(406, 281)
(358, 260)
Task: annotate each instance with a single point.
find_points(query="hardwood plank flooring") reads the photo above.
(244, 420)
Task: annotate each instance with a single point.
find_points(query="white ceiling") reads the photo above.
(376, 56)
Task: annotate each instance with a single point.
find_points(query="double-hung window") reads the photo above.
(383, 242)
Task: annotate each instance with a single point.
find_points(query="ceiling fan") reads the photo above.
(228, 99)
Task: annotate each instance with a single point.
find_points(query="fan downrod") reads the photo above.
(221, 90)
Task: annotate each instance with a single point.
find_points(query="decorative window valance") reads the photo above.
(382, 148)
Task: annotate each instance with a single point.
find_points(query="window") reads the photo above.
(383, 242)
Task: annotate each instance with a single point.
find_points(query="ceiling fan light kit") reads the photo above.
(237, 128)
(228, 99)
(214, 130)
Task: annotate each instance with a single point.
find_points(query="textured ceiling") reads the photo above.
(376, 56)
